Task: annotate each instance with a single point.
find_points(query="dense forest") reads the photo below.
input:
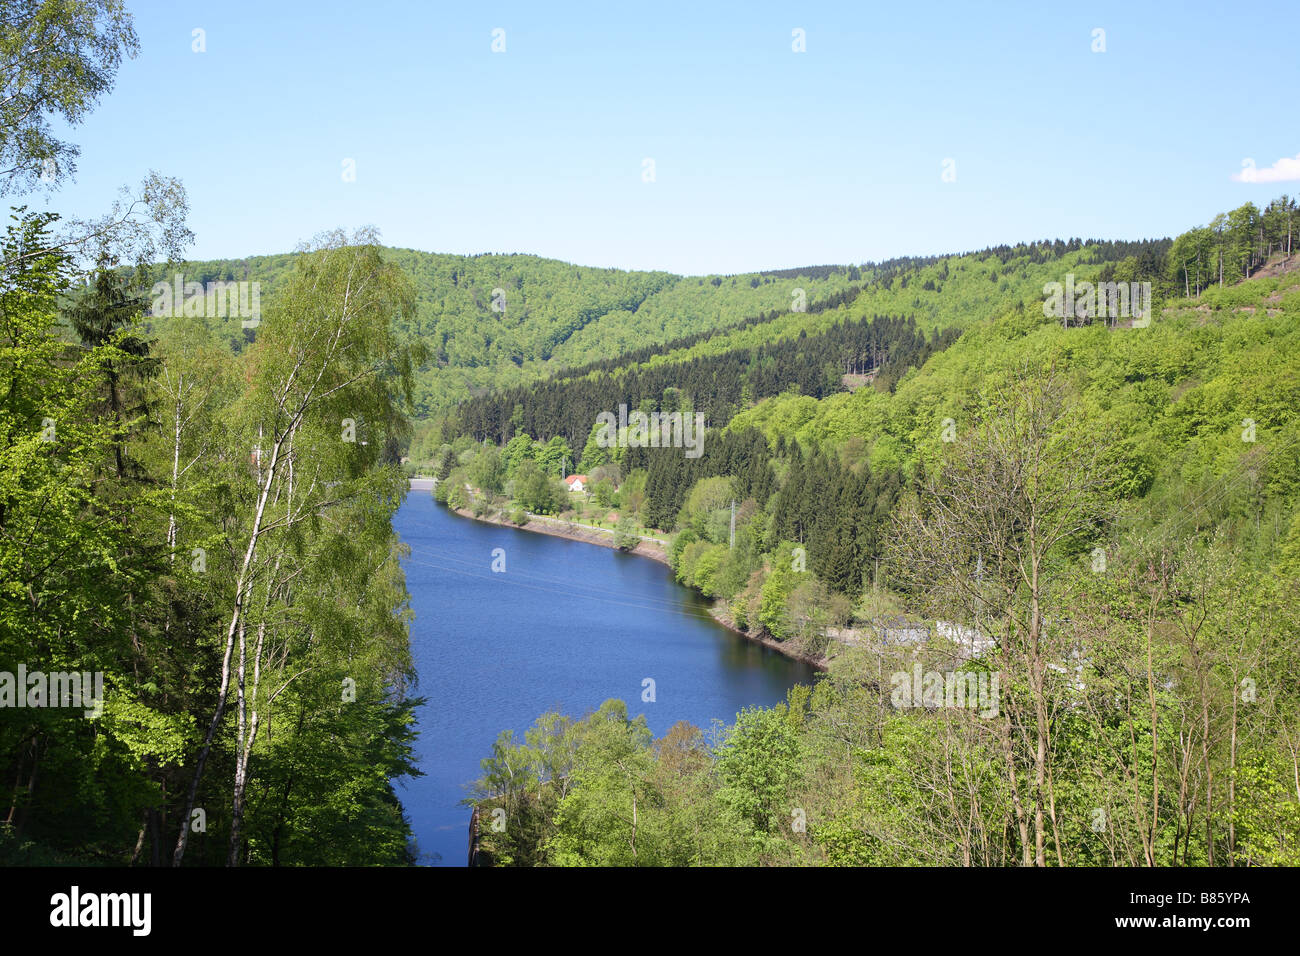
(210, 533)
(716, 385)
(497, 321)
(490, 321)
(203, 629)
(1048, 568)
(1108, 512)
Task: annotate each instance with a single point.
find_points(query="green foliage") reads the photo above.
(492, 321)
(758, 764)
(626, 536)
(458, 498)
(552, 456)
(488, 471)
(537, 491)
(603, 492)
(147, 522)
(706, 509)
(776, 592)
(1168, 669)
(593, 453)
(601, 792)
(60, 59)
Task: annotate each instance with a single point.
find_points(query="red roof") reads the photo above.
(572, 478)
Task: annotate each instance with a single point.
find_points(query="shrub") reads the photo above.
(625, 535)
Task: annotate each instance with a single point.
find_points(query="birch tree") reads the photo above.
(326, 378)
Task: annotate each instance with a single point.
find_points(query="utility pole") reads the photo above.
(732, 545)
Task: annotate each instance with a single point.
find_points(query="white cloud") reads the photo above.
(1285, 170)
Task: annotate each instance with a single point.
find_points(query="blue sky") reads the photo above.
(763, 157)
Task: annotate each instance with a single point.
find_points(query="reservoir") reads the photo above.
(565, 626)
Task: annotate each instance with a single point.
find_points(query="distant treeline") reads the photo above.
(718, 386)
(648, 352)
(768, 370)
(1151, 251)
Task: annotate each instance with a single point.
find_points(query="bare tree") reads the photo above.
(989, 543)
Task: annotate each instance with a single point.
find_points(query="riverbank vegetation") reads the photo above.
(1104, 515)
(1049, 551)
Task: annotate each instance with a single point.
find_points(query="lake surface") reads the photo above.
(565, 627)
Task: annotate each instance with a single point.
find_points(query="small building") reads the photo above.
(576, 482)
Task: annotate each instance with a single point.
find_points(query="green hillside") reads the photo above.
(491, 321)
(1104, 511)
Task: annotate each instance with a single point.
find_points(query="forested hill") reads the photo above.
(890, 318)
(902, 312)
(492, 321)
(1098, 517)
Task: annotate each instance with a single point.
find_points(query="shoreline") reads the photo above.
(654, 550)
(816, 663)
(541, 524)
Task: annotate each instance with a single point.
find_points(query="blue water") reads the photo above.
(565, 627)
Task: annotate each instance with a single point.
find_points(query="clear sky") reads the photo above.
(763, 157)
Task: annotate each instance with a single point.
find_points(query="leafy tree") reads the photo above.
(758, 764)
(553, 455)
(603, 491)
(488, 471)
(318, 357)
(626, 536)
(59, 59)
(599, 821)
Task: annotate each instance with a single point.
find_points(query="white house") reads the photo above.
(576, 482)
